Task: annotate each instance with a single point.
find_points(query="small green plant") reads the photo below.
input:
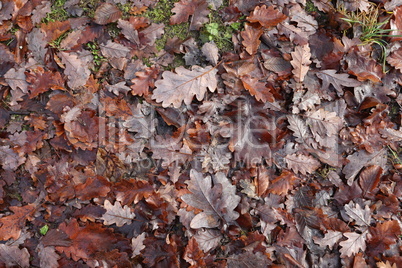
(394, 158)
(58, 12)
(96, 53)
(369, 29)
(44, 229)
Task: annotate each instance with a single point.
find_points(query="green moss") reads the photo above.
(161, 12)
(179, 30)
(57, 13)
(125, 9)
(310, 7)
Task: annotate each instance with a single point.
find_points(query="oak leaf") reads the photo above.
(302, 163)
(251, 38)
(300, 62)
(13, 256)
(353, 244)
(337, 80)
(395, 59)
(76, 68)
(361, 216)
(329, 239)
(184, 84)
(283, 183)
(143, 81)
(116, 214)
(183, 9)
(137, 244)
(266, 16)
(107, 13)
(208, 239)
(10, 226)
(48, 256)
(217, 201)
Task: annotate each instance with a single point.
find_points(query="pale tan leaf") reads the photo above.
(181, 86)
(217, 202)
(208, 239)
(302, 163)
(76, 68)
(137, 244)
(12, 256)
(300, 62)
(353, 244)
(48, 256)
(116, 214)
(356, 212)
(329, 239)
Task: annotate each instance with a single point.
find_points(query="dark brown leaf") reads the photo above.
(107, 13)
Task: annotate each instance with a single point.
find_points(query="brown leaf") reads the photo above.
(132, 191)
(260, 90)
(208, 239)
(193, 254)
(364, 68)
(198, 9)
(137, 244)
(90, 239)
(93, 187)
(10, 226)
(283, 183)
(395, 59)
(41, 81)
(251, 38)
(48, 256)
(143, 81)
(112, 49)
(107, 13)
(184, 84)
(337, 80)
(369, 179)
(55, 29)
(76, 68)
(267, 17)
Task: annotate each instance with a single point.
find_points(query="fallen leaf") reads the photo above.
(266, 16)
(184, 84)
(107, 13)
(183, 9)
(116, 214)
(300, 62)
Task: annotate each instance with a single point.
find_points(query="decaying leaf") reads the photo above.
(107, 13)
(302, 163)
(137, 244)
(353, 244)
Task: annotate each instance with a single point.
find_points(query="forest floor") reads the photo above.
(200, 133)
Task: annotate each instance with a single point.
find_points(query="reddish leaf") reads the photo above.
(143, 81)
(10, 226)
(92, 188)
(90, 239)
(283, 183)
(198, 9)
(266, 16)
(41, 81)
(369, 179)
(132, 191)
(55, 29)
(251, 38)
(193, 254)
(260, 90)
